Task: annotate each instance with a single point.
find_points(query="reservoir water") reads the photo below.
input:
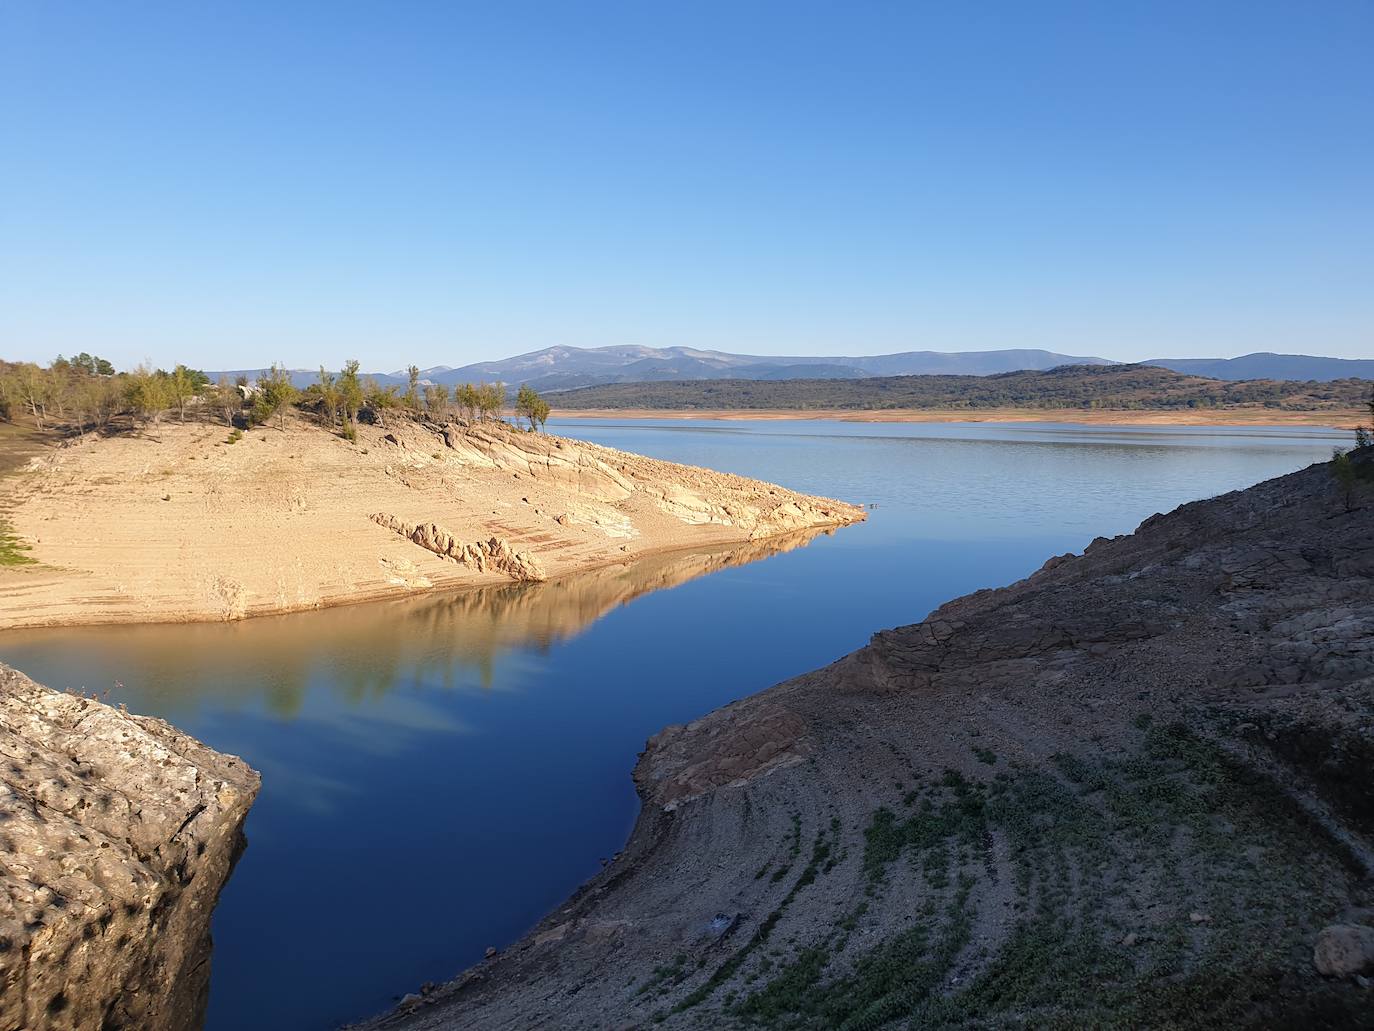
(440, 772)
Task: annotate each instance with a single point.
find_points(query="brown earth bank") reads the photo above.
(181, 523)
(1343, 419)
(117, 833)
(1129, 791)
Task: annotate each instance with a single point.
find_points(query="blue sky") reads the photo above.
(235, 183)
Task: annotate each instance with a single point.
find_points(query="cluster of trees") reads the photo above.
(341, 399)
(86, 392)
(529, 404)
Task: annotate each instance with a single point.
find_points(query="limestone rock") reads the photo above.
(117, 833)
(495, 554)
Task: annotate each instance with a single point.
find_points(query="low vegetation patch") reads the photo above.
(1169, 888)
(821, 852)
(12, 553)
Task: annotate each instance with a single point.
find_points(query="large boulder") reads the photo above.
(1344, 949)
(117, 833)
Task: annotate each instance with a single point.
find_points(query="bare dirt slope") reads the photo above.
(178, 524)
(1129, 791)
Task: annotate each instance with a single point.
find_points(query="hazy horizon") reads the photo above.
(444, 184)
(478, 361)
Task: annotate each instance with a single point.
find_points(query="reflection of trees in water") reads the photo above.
(364, 651)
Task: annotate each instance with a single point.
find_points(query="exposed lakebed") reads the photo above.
(440, 772)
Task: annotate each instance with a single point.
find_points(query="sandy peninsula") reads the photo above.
(177, 524)
(1343, 419)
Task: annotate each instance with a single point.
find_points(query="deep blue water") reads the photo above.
(439, 773)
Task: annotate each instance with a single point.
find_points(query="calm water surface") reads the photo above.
(439, 773)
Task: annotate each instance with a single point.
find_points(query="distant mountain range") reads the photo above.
(568, 368)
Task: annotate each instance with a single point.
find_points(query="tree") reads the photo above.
(491, 398)
(533, 407)
(147, 393)
(275, 393)
(34, 388)
(436, 399)
(93, 365)
(1364, 435)
(326, 396)
(379, 399)
(465, 397)
(84, 397)
(226, 400)
(1347, 477)
(350, 396)
(185, 384)
(412, 396)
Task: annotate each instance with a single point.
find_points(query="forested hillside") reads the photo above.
(1111, 387)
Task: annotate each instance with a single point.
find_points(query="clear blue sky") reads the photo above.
(235, 183)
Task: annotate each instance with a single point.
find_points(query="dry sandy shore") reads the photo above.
(1344, 419)
(178, 525)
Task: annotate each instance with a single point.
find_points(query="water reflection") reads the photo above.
(485, 733)
(362, 652)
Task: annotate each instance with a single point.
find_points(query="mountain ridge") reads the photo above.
(562, 367)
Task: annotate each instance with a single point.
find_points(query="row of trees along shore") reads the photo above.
(86, 393)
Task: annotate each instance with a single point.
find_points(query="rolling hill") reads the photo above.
(1111, 387)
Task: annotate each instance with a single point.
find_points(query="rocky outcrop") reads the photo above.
(494, 555)
(685, 762)
(1141, 771)
(585, 468)
(117, 833)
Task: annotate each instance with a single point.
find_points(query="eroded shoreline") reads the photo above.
(1133, 771)
(186, 526)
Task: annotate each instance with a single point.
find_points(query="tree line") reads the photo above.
(86, 393)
